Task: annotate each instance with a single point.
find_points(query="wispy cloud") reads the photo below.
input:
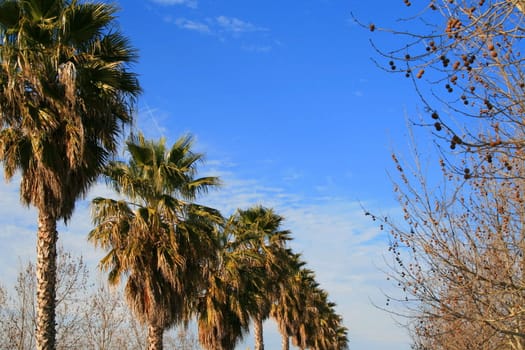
(235, 25)
(255, 38)
(187, 24)
(224, 27)
(218, 25)
(189, 3)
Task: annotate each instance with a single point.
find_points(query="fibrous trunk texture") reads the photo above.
(258, 330)
(46, 255)
(155, 334)
(285, 342)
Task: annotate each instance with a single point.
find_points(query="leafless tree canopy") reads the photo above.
(458, 257)
(466, 62)
(458, 249)
(89, 316)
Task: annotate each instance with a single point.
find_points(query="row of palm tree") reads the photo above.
(66, 96)
(183, 260)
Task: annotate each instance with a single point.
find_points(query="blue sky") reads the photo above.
(292, 113)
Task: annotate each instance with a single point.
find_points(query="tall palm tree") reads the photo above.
(259, 229)
(157, 236)
(65, 94)
(222, 316)
(304, 314)
(244, 284)
(224, 309)
(301, 308)
(288, 306)
(326, 331)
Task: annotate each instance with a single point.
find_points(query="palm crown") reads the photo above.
(65, 93)
(156, 236)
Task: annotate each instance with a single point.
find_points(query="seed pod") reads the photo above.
(456, 139)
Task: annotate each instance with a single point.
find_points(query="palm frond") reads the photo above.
(168, 244)
(85, 22)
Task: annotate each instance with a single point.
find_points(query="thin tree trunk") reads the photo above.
(155, 334)
(46, 269)
(285, 342)
(258, 333)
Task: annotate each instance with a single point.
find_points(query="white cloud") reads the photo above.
(235, 25)
(217, 26)
(189, 3)
(223, 28)
(192, 25)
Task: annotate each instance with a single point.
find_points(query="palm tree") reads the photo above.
(299, 325)
(260, 231)
(244, 284)
(65, 94)
(304, 314)
(288, 306)
(326, 331)
(223, 310)
(222, 316)
(157, 237)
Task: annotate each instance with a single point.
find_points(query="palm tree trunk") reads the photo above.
(258, 333)
(46, 268)
(285, 342)
(155, 334)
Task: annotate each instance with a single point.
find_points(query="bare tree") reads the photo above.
(466, 62)
(91, 317)
(72, 291)
(111, 325)
(459, 255)
(3, 318)
(19, 316)
(182, 338)
(106, 320)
